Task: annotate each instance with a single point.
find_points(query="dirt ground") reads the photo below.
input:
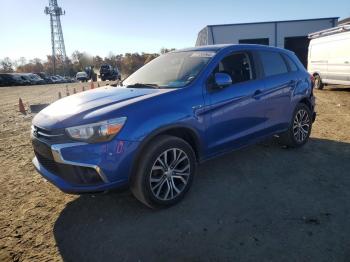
(262, 203)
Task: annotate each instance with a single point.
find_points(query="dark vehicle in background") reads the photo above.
(55, 80)
(13, 80)
(108, 72)
(61, 79)
(89, 70)
(35, 79)
(46, 78)
(2, 81)
(21, 79)
(7, 80)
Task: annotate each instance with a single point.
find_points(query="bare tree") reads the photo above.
(6, 65)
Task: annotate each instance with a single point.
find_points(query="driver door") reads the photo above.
(237, 113)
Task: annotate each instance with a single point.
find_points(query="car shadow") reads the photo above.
(259, 203)
(338, 88)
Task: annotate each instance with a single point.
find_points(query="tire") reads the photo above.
(152, 183)
(318, 82)
(299, 129)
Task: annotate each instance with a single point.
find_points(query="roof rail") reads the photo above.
(330, 31)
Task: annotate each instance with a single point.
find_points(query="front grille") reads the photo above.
(51, 136)
(73, 174)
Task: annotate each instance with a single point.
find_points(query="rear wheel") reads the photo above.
(165, 172)
(318, 82)
(300, 128)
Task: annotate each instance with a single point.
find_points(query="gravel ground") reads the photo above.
(261, 203)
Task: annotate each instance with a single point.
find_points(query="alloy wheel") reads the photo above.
(170, 174)
(301, 125)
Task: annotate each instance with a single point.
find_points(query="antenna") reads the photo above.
(57, 41)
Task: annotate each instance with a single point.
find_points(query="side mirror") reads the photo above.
(223, 79)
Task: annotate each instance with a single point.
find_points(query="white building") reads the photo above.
(292, 34)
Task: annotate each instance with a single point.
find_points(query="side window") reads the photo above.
(292, 66)
(238, 66)
(273, 63)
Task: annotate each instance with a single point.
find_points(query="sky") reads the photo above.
(121, 26)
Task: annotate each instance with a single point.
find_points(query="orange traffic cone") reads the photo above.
(92, 85)
(21, 106)
(59, 95)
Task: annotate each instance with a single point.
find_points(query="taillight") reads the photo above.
(312, 79)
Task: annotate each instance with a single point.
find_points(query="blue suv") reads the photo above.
(179, 110)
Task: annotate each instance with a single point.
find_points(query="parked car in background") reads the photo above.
(55, 80)
(329, 56)
(108, 72)
(24, 80)
(90, 71)
(13, 79)
(2, 81)
(35, 79)
(7, 80)
(82, 76)
(27, 78)
(61, 79)
(69, 79)
(181, 109)
(44, 76)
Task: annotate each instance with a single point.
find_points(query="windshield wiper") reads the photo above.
(143, 85)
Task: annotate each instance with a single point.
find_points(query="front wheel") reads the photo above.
(299, 129)
(165, 172)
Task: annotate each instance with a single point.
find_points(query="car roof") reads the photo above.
(232, 47)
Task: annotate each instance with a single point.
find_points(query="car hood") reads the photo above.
(81, 108)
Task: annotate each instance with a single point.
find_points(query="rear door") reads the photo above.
(236, 112)
(279, 84)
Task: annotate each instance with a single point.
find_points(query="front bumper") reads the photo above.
(82, 167)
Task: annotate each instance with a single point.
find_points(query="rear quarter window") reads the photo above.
(273, 63)
(291, 64)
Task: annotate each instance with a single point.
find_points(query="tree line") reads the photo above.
(126, 63)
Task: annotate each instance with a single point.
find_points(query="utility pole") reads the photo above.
(57, 41)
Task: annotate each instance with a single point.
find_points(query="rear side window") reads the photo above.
(291, 63)
(273, 63)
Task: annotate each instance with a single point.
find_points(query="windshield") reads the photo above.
(171, 70)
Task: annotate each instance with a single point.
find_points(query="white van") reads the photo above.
(329, 56)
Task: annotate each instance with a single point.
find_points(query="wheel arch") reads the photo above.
(186, 133)
(307, 102)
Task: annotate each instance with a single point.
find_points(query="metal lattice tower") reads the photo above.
(57, 41)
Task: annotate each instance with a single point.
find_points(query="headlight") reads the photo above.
(97, 132)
